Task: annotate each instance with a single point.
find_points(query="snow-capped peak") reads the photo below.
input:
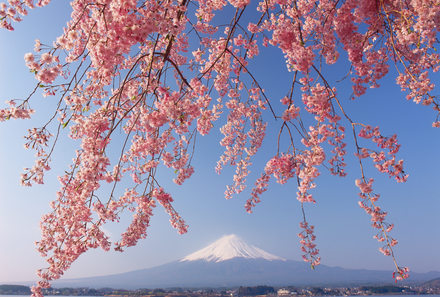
(229, 247)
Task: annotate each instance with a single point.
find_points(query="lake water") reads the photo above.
(291, 295)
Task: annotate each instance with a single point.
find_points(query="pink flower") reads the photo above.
(29, 57)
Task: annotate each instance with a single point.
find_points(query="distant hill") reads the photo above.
(434, 283)
(14, 289)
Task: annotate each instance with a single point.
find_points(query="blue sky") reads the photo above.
(344, 235)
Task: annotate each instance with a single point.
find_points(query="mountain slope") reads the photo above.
(231, 262)
(239, 272)
(432, 283)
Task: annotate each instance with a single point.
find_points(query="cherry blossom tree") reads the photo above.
(160, 72)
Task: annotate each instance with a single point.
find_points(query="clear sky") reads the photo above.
(344, 235)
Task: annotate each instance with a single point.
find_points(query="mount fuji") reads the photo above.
(229, 247)
(231, 262)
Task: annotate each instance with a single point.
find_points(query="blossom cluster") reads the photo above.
(382, 162)
(402, 273)
(307, 246)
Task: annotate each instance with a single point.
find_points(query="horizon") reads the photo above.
(213, 252)
(200, 290)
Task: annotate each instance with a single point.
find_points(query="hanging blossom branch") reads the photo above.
(135, 72)
(308, 247)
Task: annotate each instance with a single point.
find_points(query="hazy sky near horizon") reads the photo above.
(344, 234)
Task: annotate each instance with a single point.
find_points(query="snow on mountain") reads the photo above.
(229, 247)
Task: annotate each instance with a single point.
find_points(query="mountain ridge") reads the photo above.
(241, 272)
(231, 262)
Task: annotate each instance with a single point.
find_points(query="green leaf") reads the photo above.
(175, 171)
(42, 86)
(66, 123)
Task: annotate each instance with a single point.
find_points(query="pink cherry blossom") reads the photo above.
(128, 67)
